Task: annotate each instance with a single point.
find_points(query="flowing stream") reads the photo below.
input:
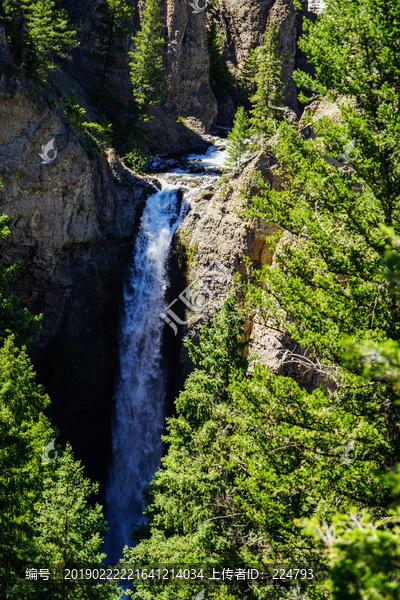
(140, 395)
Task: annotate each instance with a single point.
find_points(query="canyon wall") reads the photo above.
(75, 218)
(244, 23)
(187, 89)
(74, 224)
(218, 237)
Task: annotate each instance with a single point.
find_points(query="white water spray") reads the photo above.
(140, 401)
(140, 398)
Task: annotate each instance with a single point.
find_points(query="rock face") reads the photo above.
(245, 22)
(187, 61)
(74, 224)
(214, 230)
(187, 89)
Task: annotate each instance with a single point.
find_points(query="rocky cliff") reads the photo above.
(187, 90)
(218, 237)
(244, 23)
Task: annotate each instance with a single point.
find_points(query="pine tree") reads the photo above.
(249, 454)
(23, 432)
(248, 463)
(13, 319)
(29, 489)
(220, 77)
(268, 98)
(70, 530)
(147, 64)
(248, 73)
(45, 37)
(239, 143)
(112, 29)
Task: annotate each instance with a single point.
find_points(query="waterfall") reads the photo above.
(140, 397)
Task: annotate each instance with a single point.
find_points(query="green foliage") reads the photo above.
(45, 516)
(380, 361)
(239, 145)
(192, 255)
(246, 79)
(220, 76)
(45, 35)
(93, 136)
(147, 71)
(252, 456)
(267, 100)
(136, 160)
(334, 280)
(14, 320)
(70, 531)
(182, 252)
(23, 432)
(333, 286)
(249, 455)
(112, 29)
(363, 554)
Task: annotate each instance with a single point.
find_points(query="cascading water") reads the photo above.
(140, 398)
(140, 395)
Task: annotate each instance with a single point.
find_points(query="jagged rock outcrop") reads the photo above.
(215, 230)
(74, 224)
(245, 21)
(187, 89)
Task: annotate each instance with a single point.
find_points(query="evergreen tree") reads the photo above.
(70, 531)
(147, 72)
(251, 460)
(330, 278)
(45, 37)
(45, 517)
(23, 432)
(248, 73)
(220, 77)
(37, 500)
(239, 143)
(268, 98)
(251, 453)
(334, 280)
(112, 29)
